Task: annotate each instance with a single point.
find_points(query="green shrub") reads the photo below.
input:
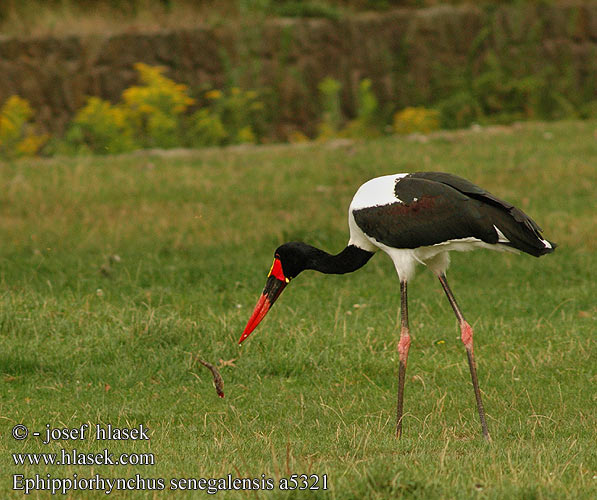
(505, 80)
(155, 107)
(504, 96)
(17, 137)
(416, 119)
(100, 127)
(240, 113)
(329, 91)
(367, 124)
(459, 110)
(155, 114)
(205, 129)
(149, 115)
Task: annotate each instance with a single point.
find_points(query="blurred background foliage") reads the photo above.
(23, 17)
(503, 79)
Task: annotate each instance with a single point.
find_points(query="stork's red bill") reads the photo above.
(274, 286)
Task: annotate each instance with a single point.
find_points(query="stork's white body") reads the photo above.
(381, 191)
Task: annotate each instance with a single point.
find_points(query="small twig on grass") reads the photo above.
(218, 381)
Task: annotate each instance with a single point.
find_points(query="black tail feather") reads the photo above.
(523, 232)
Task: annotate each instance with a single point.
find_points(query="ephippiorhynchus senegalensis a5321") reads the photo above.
(414, 218)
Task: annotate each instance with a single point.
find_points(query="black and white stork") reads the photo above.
(415, 218)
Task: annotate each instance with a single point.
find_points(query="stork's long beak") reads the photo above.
(275, 284)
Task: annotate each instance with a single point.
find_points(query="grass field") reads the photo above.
(116, 271)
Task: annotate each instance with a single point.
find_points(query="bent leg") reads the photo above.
(466, 335)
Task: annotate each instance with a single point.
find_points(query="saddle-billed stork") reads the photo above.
(416, 218)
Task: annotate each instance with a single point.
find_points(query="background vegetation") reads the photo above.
(27, 17)
(513, 68)
(116, 271)
(160, 113)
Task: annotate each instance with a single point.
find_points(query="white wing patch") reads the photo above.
(501, 237)
(376, 192)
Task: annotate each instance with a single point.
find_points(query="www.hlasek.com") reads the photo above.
(75, 482)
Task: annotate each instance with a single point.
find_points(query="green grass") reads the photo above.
(116, 271)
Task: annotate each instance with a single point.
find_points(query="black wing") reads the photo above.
(435, 208)
(480, 194)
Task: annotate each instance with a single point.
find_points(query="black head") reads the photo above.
(294, 257)
(289, 260)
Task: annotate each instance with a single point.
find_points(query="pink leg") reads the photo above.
(466, 335)
(403, 347)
